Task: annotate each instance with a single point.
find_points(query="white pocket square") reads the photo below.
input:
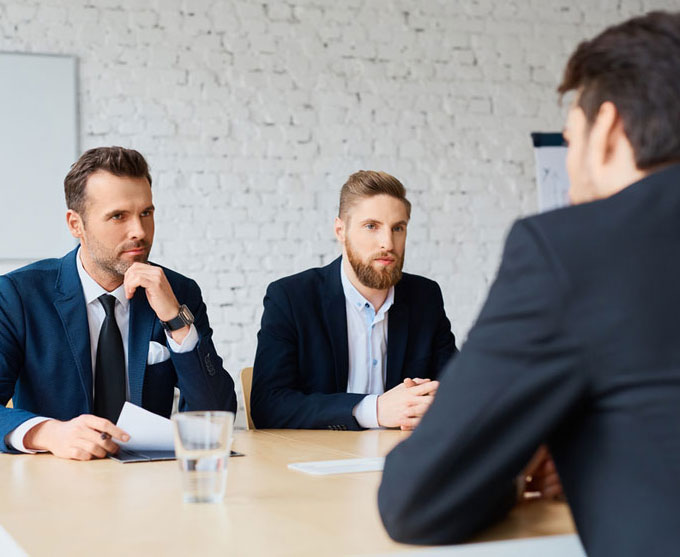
(157, 353)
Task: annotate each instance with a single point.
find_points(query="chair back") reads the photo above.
(246, 385)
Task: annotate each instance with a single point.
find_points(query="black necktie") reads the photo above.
(109, 377)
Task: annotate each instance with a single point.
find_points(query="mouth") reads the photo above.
(385, 261)
(135, 251)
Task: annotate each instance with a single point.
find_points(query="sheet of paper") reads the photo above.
(148, 431)
(551, 177)
(554, 546)
(346, 466)
(8, 547)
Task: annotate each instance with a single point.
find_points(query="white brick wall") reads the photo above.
(252, 114)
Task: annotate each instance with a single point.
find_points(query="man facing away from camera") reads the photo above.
(577, 343)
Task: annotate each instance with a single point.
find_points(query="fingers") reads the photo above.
(415, 381)
(537, 460)
(159, 293)
(102, 425)
(407, 424)
(139, 274)
(425, 388)
(417, 408)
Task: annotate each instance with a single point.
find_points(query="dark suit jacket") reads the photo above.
(301, 365)
(45, 358)
(578, 345)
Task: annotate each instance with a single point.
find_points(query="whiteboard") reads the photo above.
(550, 153)
(38, 144)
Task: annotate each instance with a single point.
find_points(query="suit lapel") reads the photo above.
(70, 305)
(142, 319)
(397, 335)
(335, 315)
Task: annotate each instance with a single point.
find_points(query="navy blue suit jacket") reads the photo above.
(45, 357)
(301, 366)
(577, 346)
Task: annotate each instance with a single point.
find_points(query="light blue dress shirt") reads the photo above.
(367, 350)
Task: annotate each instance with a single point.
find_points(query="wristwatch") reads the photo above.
(184, 318)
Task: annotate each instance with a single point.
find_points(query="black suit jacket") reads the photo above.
(578, 345)
(301, 365)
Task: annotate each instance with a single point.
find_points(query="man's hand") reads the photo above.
(540, 477)
(404, 405)
(158, 292)
(82, 438)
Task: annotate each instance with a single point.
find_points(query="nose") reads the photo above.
(387, 240)
(136, 230)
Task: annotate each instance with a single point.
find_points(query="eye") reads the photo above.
(146, 213)
(370, 226)
(117, 216)
(398, 228)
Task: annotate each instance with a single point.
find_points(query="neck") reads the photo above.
(376, 297)
(105, 279)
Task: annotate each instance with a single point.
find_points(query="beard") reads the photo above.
(371, 277)
(109, 261)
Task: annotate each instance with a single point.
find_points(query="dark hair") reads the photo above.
(636, 66)
(367, 183)
(116, 160)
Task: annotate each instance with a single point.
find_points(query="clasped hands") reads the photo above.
(403, 406)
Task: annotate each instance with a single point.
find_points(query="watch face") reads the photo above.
(186, 315)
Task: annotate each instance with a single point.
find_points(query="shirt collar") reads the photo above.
(357, 301)
(92, 290)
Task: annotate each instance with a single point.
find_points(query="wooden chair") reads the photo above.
(246, 384)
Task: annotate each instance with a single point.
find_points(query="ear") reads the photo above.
(340, 229)
(605, 133)
(75, 223)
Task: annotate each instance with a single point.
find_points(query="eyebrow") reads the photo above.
(123, 211)
(367, 221)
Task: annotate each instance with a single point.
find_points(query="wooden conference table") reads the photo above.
(57, 507)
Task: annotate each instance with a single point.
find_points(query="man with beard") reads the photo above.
(81, 335)
(356, 344)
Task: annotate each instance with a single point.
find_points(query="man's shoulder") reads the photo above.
(418, 284)
(35, 274)
(306, 282)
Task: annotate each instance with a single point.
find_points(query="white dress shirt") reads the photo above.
(367, 350)
(95, 319)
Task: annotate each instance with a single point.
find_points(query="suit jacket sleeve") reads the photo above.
(514, 381)
(203, 382)
(277, 399)
(11, 357)
(444, 341)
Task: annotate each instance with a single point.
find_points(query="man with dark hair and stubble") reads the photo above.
(577, 344)
(356, 344)
(81, 335)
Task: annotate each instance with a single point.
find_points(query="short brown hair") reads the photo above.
(635, 65)
(116, 160)
(367, 183)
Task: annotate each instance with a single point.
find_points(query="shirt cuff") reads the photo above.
(188, 343)
(15, 438)
(366, 412)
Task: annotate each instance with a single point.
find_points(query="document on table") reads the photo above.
(151, 436)
(555, 546)
(8, 547)
(345, 466)
(148, 431)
